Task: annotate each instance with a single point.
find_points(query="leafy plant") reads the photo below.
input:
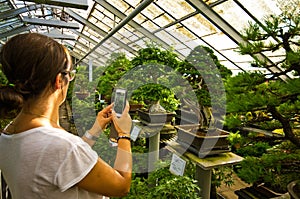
(162, 184)
(255, 149)
(276, 170)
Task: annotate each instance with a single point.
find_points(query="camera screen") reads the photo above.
(119, 103)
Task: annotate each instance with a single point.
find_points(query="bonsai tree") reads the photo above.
(205, 74)
(266, 98)
(268, 101)
(154, 68)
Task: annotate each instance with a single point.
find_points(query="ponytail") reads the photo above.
(10, 102)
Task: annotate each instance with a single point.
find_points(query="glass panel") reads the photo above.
(233, 14)
(139, 18)
(152, 11)
(199, 25)
(166, 37)
(120, 5)
(220, 41)
(236, 57)
(177, 8)
(163, 20)
(150, 26)
(261, 8)
(133, 3)
(97, 14)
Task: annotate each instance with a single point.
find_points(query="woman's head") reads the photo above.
(31, 63)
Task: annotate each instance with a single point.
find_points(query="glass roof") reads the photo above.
(102, 27)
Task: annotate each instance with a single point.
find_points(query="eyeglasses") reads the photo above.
(71, 73)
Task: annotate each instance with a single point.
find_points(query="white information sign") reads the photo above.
(177, 165)
(135, 133)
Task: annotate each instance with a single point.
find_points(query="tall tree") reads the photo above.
(269, 101)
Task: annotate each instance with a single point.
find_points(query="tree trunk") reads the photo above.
(287, 129)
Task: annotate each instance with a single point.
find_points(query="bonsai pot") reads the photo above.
(157, 118)
(259, 191)
(201, 140)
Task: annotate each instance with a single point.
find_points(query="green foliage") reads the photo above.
(266, 102)
(205, 74)
(3, 79)
(84, 114)
(275, 170)
(248, 96)
(232, 120)
(162, 184)
(235, 138)
(154, 76)
(255, 149)
(222, 175)
(278, 33)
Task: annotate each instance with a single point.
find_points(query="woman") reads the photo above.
(38, 158)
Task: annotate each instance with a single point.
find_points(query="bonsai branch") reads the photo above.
(287, 129)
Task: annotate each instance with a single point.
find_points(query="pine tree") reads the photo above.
(269, 101)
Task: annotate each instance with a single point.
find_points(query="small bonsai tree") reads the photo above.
(154, 69)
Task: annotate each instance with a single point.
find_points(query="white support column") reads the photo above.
(90, 70)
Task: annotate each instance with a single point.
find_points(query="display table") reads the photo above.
(205, 165)
(153, 133)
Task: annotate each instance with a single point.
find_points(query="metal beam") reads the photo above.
(81, 4)
(59, 36)
(77, 55)
(232, 33)
(10, 22)
(96, 55)
(90, 40)
(137, 26)
(15, 12)
(16, 31)
(135, 12)
(52, 23)
(92, 26)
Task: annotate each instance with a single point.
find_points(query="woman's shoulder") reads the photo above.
(58, 134)
(61, 141)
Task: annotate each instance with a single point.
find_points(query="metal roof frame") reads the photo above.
(119, 26)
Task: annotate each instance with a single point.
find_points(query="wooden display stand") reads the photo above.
(205, 165)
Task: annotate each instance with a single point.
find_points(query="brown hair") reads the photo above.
(30, 62)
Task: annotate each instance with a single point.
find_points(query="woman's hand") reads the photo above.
(104, 116)
(123, 123)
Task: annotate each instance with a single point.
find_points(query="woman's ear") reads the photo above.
(58, 81)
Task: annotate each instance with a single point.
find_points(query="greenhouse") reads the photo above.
(211, 88)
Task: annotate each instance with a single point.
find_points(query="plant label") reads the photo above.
(135, 133)
(177, 165)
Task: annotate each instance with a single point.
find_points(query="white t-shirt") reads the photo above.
(46, 162)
